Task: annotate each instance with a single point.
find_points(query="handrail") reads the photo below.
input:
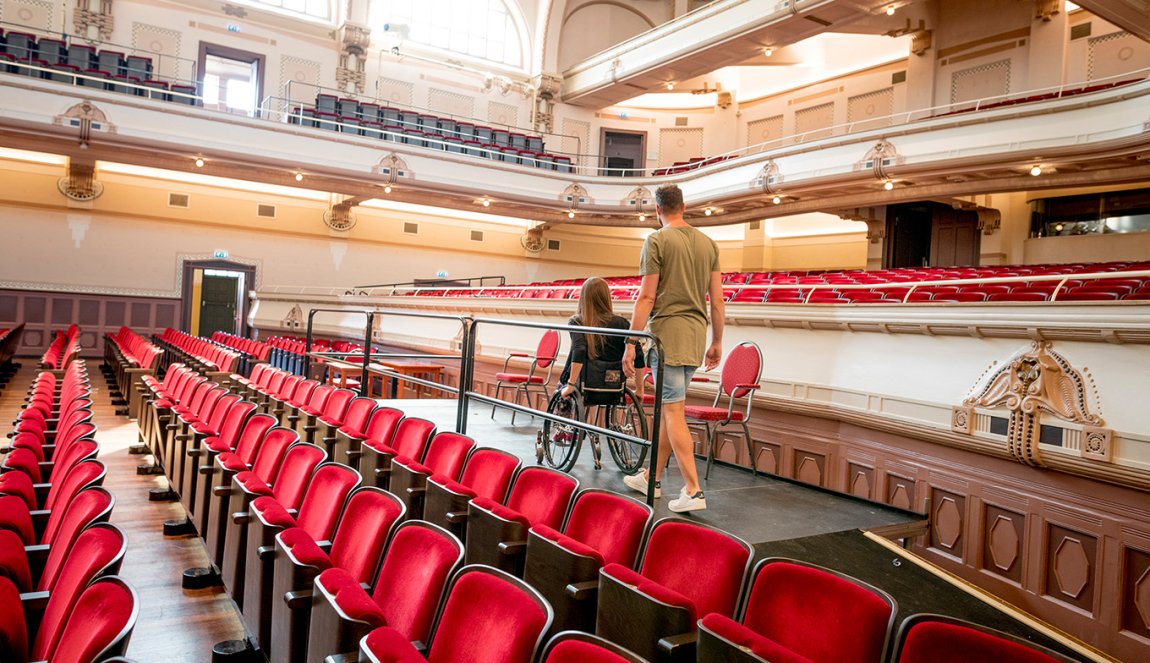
(468, 394)
(431, 282)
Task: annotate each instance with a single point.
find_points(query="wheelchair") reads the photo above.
(559, 443)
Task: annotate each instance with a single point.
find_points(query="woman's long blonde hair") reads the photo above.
(595, 311)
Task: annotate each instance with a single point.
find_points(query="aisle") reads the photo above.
(175, 625)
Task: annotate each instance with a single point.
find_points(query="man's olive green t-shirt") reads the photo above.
(684, 259)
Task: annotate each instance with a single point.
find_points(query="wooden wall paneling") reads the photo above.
(947, 522)
(1135, 604)
(1003, 534)
(1071, 566)
(860, 480)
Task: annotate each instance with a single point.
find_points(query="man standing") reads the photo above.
(680, 268)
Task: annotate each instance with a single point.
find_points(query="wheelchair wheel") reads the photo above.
(628, 417)
(561, 441)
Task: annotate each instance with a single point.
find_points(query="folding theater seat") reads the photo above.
(263, 393)
(497, 533)
(161, 414)
(244, 385)
(318, 514)
(216, 484)
(937, 639)
(354, 417)
(357, 548)
(100, 625)
(798, 611)
(488, 617)
(299, 416)
(740, 378)
(445, 456)
(380, 426)
(404, 595)
(275, 401)
(334, 409)
(287, 409)
(410, 439)
(201, 459)
(688, 570)
(152, 390)
(43, 563)
(81, 476)
(487, 473)
(198, 411)
(193, 431)
(602, 528)
(287, 488)
(577, 647)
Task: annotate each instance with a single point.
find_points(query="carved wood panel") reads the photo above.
(1071, 566)
(809, 467)
(947, 521)
(1136, 592)
(899, 491)
(1003, 542)
(860, 481)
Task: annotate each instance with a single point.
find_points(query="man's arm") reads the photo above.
(644, 303)
(718, 317)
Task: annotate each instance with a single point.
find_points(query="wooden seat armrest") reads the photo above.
(456, 516)
(581, 591)
(241, 517)
(512, 547)
(349, 657)
(416, 490)
(222, 491)
(299, 599)
(266, 553)
(681, 645)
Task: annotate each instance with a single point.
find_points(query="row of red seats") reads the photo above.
(209, 356)
(63, 349)
(134, 349)
(693, 163)
(249, 346)
(59, 594)
(1045, 96)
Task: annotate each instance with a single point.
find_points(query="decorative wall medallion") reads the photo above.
(294, 318)
(575, 195)
(769, 178)
(961, 418)
(1096, 443)
(1033, 381)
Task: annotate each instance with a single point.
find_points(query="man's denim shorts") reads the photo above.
(676, 379)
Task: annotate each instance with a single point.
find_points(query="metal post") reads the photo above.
(466, 371)
(656, 425)
(365, 376)
(307, 346)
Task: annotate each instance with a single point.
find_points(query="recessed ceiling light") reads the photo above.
(890, 10)
(299, 177)
(199, 162)
(768, 52)
(888, 185)
(1036, 171)
(777, 199)
(707, 211)
(670, 86)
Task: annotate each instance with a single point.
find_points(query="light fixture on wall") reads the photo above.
(670, 86)
(199, 162)
(299, 177)
(890, 10)
(708, 211)
(768, 51)
(642, 218)
(387, 188)
(1036, 170)
(570, 214)
(485, 201)
(888, 185)
(777, 199)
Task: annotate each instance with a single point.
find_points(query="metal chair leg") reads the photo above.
(712, 434)
(750, 449)
(498, 389)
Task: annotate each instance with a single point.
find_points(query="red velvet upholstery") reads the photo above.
(446, 455)
(13, 631)
(356, 418)
(97, 550)
(488, 618)
(411, 437)
(272, 452)
(415, 570)
(656, 591)
(488, 473)
(299, 463)
(387, 645)
(24, 460)
(610, 524)
(578, 647)
(336, 406)
(104, 615)
(270, 511)
(817, 614)
(947, 642)
(570, 544)
(230, 431)
(322, 504)
(13, 562)
(382, 424)
(542, 495)
(520, 377)
(702, 564)
(80, 476)
(709, 413)
(249, 442)
(15, 517)
(90, 506)
(745, 638)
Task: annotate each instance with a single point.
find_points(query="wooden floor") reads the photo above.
(175, 625)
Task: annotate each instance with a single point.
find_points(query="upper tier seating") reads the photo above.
(1004, 283)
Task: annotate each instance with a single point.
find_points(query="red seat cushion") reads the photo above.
(331, 421)
(15, 517)
(13, 631)
(217, 445)
(936, 642)
(500, 511)
(273, 512)
(451, 485)
(20, 485)
(567, 542)
(390, 646)
(303, 548)
(253, 484)
(414, 466)
(708, 413)
(578, 651)
(519, 377)
(745, 638)
(379, 446)
(13, 561)
(231, 461)
(351, 598)
(650, 588)
(307, 409)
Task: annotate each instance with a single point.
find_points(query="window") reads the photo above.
(484, 29)
(315, 9)
(231, 80)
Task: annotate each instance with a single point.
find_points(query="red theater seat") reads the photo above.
(445, 456)
(410, 439)
(938, 639)
(488, 474)
(576, 647)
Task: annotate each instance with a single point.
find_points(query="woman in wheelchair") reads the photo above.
(593, 378)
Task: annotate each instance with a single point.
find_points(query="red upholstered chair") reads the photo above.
(688, 570)
(101, 623)
(276, 399)
(487, 473)
(537, 377)
(410, 439)
(488, 617)
(354, 418)
(357, 548)
(740, 379)
(13, 630)
(19, 485)
(287, 488)
(801, 612)
(45, 562)
(288, 411)
(419, 560)
(333, 410)
(380, 427)
(318, 513)
(497, 533)
(243, 443)
(578, 647)
(445, 455)
(272, 388)
(81, 476)
(269, 454)
(97, 552)
(937, 639)
(299, 416)
(602, 528)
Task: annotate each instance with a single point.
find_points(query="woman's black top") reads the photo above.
(611, 350)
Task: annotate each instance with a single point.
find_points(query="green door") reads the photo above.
(219, 296)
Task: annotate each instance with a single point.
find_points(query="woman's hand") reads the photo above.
(629, 360)
(566, 391)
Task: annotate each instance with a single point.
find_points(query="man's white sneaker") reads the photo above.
(687, 502)
(638, 483)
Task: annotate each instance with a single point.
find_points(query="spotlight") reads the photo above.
(299, 177)
(768, 52)
(707, 211)
(199, 162)
(570, 214)
(1058, 228)
(486, 202)
(387, 189)
(890, 10)
(777, 199)
(670, 86)
(888, 185)
(642, 218)
(1036, 171)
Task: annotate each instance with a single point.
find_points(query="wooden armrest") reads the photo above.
(297, 600)
(512, 547)
(416, 490)
(241, 517)
(266, 553)
(456, 516)
(678, 644)
(221, 491)
(349, 657)
(581, 591)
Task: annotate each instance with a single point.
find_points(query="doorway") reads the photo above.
(216, 297)
(232, 79)
(623, 152)
(929, 234)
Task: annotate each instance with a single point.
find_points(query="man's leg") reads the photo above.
(679, 435)
(664, 450)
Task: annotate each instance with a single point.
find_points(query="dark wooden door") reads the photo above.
(955, 239)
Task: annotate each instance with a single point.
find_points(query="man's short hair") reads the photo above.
(669, 199)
